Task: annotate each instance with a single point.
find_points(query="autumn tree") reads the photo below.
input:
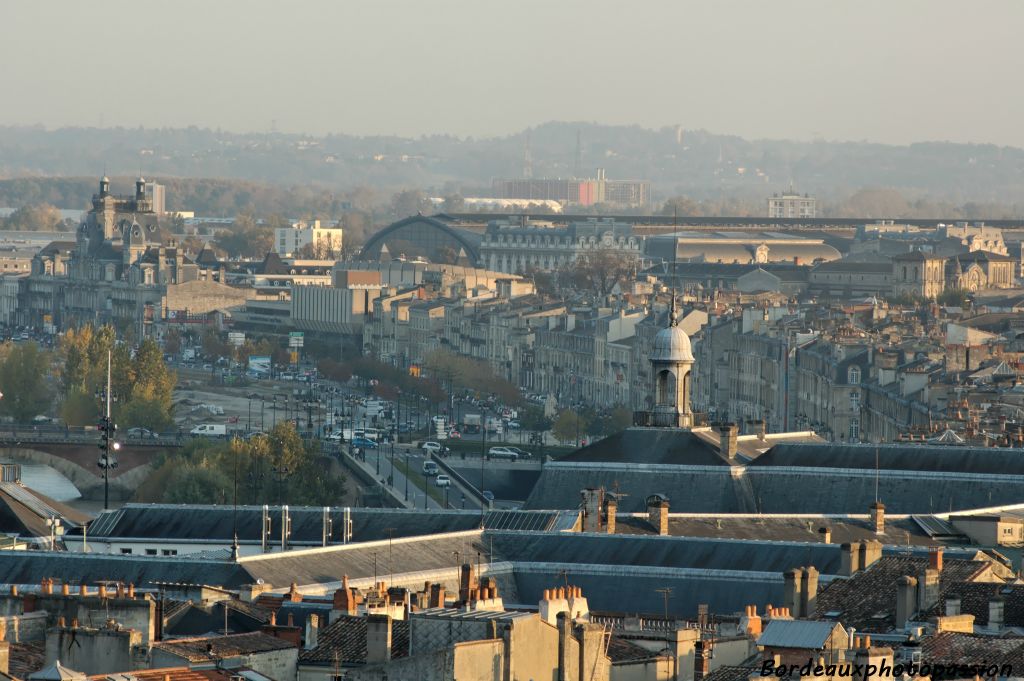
(23, 381)
(569, 426)
(246, 238)
(601, 269)
(34, 218)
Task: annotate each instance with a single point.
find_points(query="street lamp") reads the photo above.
(280, 473)
(108, 445)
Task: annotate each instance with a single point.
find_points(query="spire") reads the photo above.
(673, 315)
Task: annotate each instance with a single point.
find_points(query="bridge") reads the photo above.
(74, 455)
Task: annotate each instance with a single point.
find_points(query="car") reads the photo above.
(502, 453)
(488, 495)
(430, 447)
(336, 436)
(363, 443)
(513, 425)
(430, 468)
(522, 454)
(442, 480)
(140, 432)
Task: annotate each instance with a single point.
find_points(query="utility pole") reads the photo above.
(107, 443)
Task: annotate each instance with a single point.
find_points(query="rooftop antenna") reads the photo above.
(665, 591)
(672, 319)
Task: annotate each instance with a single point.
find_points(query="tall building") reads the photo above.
(576, 191)
(325, 242)
(157, 197)
(792, 205)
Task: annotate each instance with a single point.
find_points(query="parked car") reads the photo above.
(140, 433)
(442, 480)
(521, 453)
(363, 443)
(431, 447)
(430, 468)
(502, 453)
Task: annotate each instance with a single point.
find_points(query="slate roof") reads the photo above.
(650, 445)
(196, 649)
(907, 457)
(210, 522)
(344, 641)
(802, 634)
(26, 658)
(28, 567)
(198, 620)
(802, 478)
(780, 528)
(867, 600)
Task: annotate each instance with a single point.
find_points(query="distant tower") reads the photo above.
(527, 159)
(104, 186)
(671, 364)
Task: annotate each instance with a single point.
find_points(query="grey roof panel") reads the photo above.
(810, 635)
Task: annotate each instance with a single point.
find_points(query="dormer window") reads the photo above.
(853, 375)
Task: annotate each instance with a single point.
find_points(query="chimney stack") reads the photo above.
(870, 552)
(378, 639)
(952, 605)
(750, 623)
(611, 507)
(906, 601)
(850, 558)
(826, 535)
(935, 558)
(996, 612)
(728, 435)
(657, 513)
(792, 589)
(878, 517)
(312, 632)
(809, 592)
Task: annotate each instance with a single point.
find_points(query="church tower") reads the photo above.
(671, 364)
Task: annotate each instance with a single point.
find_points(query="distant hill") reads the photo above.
(678, 162)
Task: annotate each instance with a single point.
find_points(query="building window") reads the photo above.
(854, 429)
(170, 552)
(150, 552)
(126, 552)
(853, 375)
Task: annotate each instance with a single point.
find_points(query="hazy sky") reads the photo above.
(883, 70)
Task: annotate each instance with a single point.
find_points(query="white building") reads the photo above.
(325, 241)
(792, 205)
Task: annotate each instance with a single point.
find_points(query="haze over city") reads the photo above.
(569, 340)
(892, 72)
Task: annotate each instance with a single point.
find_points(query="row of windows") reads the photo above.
(152, 552)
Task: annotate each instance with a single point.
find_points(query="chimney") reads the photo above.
(378, 639)
(657, 513)
(436, 599)
(592, 501)
(728, 434)
(878, 517)
(927, 590)
(312, 632)
(826, 535)
(791, 591)
(850, 558)
(611, 507)
(103, 591)
(131, 590)
(935, 558)
(701, 659)
(906, 600)
(809, 592)
(467, 582)
(65, 589)
(870, 552)
(952, 605)
(750, 623)
(996, 611)
(344, 601)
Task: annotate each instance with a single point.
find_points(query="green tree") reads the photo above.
(23, 374)
(79, 408)
(568, 426)
(199, 484)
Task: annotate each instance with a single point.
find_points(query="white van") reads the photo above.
(210, 430)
